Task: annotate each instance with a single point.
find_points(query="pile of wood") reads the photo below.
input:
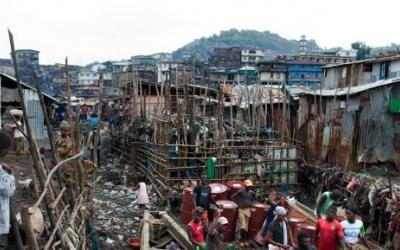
(159, 230)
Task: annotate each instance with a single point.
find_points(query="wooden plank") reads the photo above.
(176, 231)
(145, 234)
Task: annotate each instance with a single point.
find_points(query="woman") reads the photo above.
(278, 234)
(142, 196)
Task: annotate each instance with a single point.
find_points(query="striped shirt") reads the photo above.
(7, 188)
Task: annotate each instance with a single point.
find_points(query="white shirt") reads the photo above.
(352, 230)
(17, 133)
(7, 188)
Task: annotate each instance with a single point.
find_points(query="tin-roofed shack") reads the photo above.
(353, 127)
(10, 100)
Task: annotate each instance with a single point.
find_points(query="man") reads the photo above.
(64, 150)
(329, 232)
(353, 230)
(278, 234)
(304, 242)
(84, 113)
(18, 136)
(7, 188)
(274, 200)
(244, 198)
(327, 199)
(196, 229)
(202, 197)
(215, 235)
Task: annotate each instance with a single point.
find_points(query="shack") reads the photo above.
(353, 127)
(10, 100)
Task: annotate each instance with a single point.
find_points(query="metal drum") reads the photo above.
(258, 216)
(293, 222)
(187, 205)
(309, 229)
(231, 213)
(233, 187)
(219, 191)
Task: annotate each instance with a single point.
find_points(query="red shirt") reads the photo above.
(84, 109)
(329, 234)
(197, 231)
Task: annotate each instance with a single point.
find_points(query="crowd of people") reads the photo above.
(330, 233)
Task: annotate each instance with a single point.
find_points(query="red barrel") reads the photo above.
(309, 229)
(187, 205)
(293, 222)
(258, 216)
(219, 191)
(233, 187)
(231, 213)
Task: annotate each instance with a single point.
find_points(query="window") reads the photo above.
(367, 67)
(302, 76)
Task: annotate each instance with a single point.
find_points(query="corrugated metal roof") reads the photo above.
(370, 60)
(27, 86)
(244, 95)
(355, 89)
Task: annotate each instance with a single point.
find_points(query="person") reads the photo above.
(142, 196)
(215, 234)
(7, 188)
(278, 234)
(274, 200)
(64, 148)
(18, 137)
(353, 230)
(93, 120)
(84, 113)
(196, 229)
(329, 232)
(327, 199)
(202, 197)
(244, 198)
(304, 242)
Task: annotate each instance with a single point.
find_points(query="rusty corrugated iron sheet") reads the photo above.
(365, 133)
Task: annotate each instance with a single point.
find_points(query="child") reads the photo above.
(142, 195)
(7, 188)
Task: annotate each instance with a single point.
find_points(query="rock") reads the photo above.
(121, 237)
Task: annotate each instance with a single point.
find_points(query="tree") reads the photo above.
(363, 51)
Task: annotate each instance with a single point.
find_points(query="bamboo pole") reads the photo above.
(56, 228)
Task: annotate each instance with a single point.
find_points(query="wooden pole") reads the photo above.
(46, 120)
(15, 227)
(29, 233)
(38, 164)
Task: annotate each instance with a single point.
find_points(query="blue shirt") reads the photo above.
(93, 121)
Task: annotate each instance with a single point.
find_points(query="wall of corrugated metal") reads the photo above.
(376, 131)
(35, 117)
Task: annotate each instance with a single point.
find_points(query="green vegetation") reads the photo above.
(363, 52)
(251, 39)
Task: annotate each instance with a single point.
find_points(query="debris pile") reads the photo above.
(376, 198)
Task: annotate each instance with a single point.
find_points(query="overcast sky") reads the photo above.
(89, 30)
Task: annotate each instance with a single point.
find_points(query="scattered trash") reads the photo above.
(117, 214)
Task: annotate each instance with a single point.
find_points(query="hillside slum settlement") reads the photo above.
(122, 171)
